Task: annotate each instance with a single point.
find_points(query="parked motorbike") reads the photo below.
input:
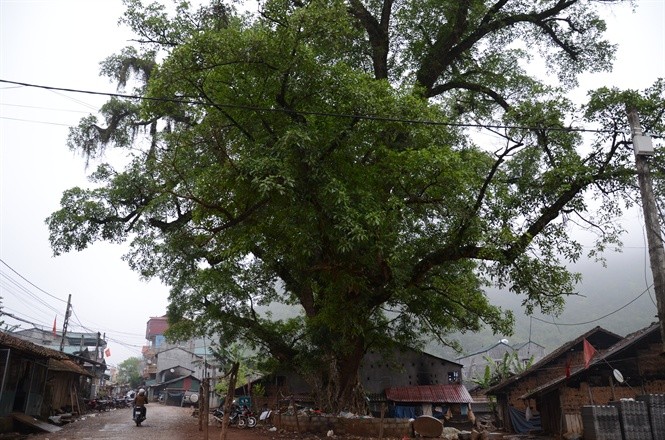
(97, 404)
(237, 417)
(138, 415)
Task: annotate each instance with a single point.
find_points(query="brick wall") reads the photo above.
(363, 427)
(551, 371)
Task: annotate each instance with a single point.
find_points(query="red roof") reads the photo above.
(453, 393)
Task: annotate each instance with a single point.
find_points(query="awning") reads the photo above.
(452, 393)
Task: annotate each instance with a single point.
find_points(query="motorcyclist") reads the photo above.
(141, 400)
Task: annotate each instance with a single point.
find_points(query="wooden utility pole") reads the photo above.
(204, 411)
(228, 401)
(643, 148)
(66, 321)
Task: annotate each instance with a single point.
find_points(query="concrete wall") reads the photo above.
(405, 368)
(362, 427)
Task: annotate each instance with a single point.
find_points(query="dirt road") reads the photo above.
(163, 423)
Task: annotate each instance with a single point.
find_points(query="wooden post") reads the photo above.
(233, 374)
(204, 407)
(614, 397)
(383, 413)
(295, 413)
(200, 409)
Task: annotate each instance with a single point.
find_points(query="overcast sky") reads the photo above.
(60, 43)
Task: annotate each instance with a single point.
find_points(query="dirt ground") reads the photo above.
(163, 423)
(167, 423)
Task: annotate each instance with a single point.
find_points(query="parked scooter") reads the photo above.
(237, 417)
(138, 415)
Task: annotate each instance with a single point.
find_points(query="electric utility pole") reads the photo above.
(643, 148)
(66, 321)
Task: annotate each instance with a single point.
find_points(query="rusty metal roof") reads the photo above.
(452, 393)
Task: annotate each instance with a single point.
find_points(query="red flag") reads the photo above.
(107, 352)
(54, 333)
(589, 351)
(567, 368)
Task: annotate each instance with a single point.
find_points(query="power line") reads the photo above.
(29, 282)
(602, 317)
(184, 100)
(35, 121)
(41, 108)
(14, 284)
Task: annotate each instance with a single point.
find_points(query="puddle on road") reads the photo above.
(113, 427)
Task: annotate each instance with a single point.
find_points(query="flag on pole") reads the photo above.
(54, 327)
(589, 351)
(107, 352)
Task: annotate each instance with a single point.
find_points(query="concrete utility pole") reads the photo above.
(643, 148)
(95, 386)
(64, 324)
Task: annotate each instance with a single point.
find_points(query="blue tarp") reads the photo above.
(405, 412)
(520, 424)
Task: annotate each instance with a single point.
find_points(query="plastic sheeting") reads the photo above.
(405, 412)
(520, 424)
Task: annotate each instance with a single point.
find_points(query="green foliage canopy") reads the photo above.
(319, 154)
(129, 372)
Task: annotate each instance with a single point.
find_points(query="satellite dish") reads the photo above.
(194, 398)
(617, 375)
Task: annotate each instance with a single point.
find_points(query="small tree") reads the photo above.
(129, 372)
(497, 371)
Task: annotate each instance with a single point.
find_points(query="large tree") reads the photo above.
(324, 155)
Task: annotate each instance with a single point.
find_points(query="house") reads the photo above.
(633, 368)
(401, 368)
(450, 401)
(406, 367)
(64, 386)
(171, 373)
(473, 364)
(563, 382)
(35, 380)
(178, 390)
(165, 362)
(86, 348)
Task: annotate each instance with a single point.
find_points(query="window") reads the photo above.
(453, 376)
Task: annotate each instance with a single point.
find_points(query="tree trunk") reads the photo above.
(337, 386)
(233, 375)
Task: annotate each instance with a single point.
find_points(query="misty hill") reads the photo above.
(603, 291)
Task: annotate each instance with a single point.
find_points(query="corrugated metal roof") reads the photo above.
(452, 393)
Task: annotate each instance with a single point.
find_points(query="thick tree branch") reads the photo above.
(447, 49)
(474, 87)
(377, 32)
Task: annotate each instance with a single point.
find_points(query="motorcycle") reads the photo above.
(138, 415)
(237, 417)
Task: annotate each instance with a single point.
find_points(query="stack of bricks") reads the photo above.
(634, 417)
(656, 407)
(601, 422)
